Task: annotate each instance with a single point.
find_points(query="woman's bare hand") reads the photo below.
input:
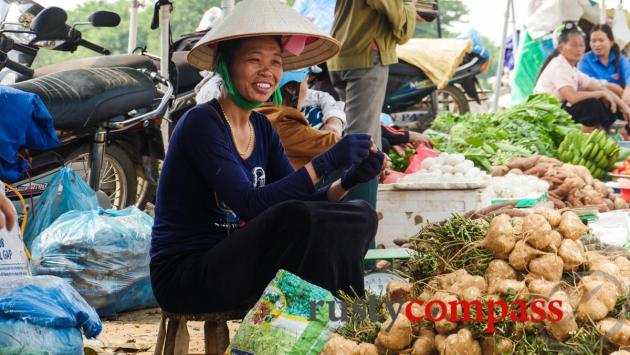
(7, 213)
(611, 101)
(418, 139)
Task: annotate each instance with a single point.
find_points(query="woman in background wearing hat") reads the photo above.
(231, 210)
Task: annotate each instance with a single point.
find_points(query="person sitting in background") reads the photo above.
(606, 63)
(301, 142)
(588, 101)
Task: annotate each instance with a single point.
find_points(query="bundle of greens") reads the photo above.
(535, 127)
(400, 162)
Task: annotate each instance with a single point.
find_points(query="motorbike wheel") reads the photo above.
(118, 175)
(145, 190)
(453, 100)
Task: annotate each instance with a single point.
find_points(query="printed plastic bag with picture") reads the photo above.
(280, 322)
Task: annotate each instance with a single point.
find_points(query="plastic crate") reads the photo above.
(402, 213)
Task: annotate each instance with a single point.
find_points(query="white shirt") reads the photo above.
(329, 106)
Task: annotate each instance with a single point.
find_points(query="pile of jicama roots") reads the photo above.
(571, 186)
(534, 257)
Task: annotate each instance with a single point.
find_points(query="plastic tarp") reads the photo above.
(532, 54)
(552, 13)
(44, 315)
(320, 12)
(620, 27)
(536, 39)
(104, 254)
(24, 123)
(439, 63)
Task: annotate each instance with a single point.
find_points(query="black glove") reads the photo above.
(367, 170)
(351, 149)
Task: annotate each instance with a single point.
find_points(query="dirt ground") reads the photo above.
(136, 333)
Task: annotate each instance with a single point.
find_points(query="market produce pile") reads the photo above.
(446, 167)
(535, 127)
(594, 150)
(519, 260)
(569, 185)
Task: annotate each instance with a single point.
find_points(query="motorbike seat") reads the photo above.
(83, 98)
(110, 61)
(187, 75)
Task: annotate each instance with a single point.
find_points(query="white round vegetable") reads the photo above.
(461, 168)
(428, 163)
(436, 167)
(446, 169)
(468, 164)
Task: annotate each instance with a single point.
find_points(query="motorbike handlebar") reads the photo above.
(93, 46)
(5, 62)
(28, 50)
(155, 76)
(7, 44)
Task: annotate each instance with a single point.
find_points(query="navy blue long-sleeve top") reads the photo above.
(207, 190)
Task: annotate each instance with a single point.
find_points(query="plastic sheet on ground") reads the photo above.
(103, 254)
(44, 315)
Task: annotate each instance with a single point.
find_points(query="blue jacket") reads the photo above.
(593, 67)
(24, 123)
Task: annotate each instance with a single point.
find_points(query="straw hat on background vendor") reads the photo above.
(231, 210)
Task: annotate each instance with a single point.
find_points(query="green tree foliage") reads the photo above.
(451, 11)
(184, 19)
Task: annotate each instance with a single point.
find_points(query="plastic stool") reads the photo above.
(173, 335)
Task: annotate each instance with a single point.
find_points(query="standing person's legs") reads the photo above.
(363, 91)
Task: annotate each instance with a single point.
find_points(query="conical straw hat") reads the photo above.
(252, 18)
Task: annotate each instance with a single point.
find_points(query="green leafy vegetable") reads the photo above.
(535, 127)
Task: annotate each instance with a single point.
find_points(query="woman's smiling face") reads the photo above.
(256, 68)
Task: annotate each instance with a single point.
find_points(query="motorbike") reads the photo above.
(411, 98)
(91, 108)
(141, 146)
(413, 101)
(121, 164)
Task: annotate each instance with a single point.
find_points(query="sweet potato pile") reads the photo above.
(570, 185)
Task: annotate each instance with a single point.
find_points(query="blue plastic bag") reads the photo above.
(66, 192)
(478, 47)
(104, 254)
(44, 315)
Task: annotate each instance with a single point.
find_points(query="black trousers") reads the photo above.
(322, 242)
(592, 112)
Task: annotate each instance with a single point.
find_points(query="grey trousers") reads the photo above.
(363, 90)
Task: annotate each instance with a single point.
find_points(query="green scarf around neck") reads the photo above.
(222, 69)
